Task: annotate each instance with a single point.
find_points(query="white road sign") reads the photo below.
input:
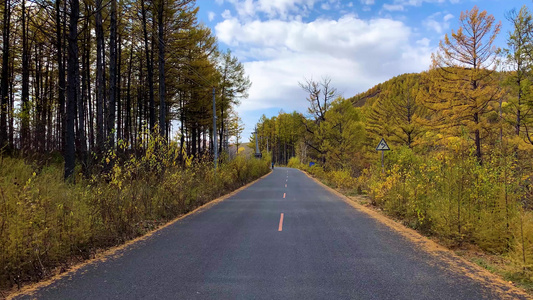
(382, 146)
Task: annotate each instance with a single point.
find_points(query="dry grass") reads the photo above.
(47, 225)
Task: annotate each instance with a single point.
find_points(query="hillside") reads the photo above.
(377, 91)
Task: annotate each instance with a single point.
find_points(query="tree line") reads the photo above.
(472, 89)
(78, 77)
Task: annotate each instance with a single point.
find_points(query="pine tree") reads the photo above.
(234, 85)
(73, 81)
(4, 80)
(342, 134)
(463, 84)
(395, 111)
(518, 58)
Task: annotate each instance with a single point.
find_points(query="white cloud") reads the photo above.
(433, 24)
(365, 2)
(245, 8)
(393, 7)
(447, 17)
(226, 14)
(424, 42)
(211, 16)
(437, 23)
(399, 5)
(336, 4)
(355, 53)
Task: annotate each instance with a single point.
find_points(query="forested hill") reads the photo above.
(403, 108)
(380, 89)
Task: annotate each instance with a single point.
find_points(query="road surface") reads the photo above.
(284, 237)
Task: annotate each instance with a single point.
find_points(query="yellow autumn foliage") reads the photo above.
(45, 222)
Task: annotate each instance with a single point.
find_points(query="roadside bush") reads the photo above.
(294, 162)
(341, 179)
(452, 196)
(46, 223)
(453, 192)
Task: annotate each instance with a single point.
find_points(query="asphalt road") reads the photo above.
(241, 249)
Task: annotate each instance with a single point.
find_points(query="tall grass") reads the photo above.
(46, 223)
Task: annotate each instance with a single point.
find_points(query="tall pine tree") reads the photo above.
(463, 84)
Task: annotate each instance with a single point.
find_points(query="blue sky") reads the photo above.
(357, 43)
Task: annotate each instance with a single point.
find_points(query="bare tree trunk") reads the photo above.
(80, 100)
(193, 142)
(110, 141)
(86, 84)
(162, 90)
(5, 72)
(222, 105)
(149, 67)
(140, 97)
(11, 102)
(99, 76)
(39, 117)
(73, 71)
(199, 137)
(38, 104)
(127, 127)
(48, 110)
(119, 90)
(61, 74)
(477, 139)
(25, 95)
(182, 121)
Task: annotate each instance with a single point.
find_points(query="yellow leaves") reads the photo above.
(342, 179)
(525, 146)
(188, 159)
(462, 83)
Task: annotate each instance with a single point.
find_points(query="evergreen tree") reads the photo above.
(463, 84)
(519, 60)
(395, 110)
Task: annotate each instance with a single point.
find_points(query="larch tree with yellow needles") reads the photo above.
(395, 111)
(518, 58)
(463, 85)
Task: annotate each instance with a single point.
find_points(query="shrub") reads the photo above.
(451, 195)
(294, 162)
(45, 222)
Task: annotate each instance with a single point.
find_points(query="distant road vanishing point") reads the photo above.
(284, 237)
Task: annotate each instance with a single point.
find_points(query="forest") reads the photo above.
(77, 77)
(460, 133)
(106, 127)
